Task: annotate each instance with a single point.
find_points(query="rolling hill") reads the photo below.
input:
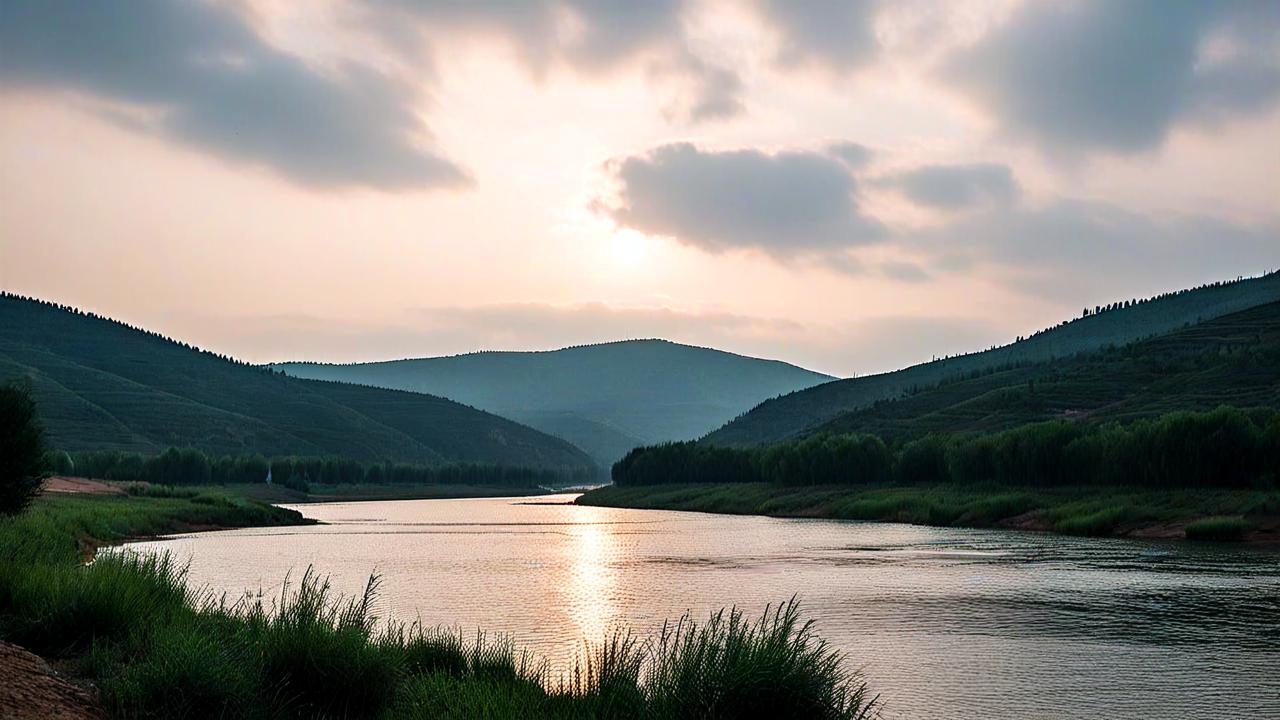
(1230, 360)
(102, 385)
(605, 398)
(806, 410)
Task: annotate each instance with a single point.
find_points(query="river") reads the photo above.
(944, 622)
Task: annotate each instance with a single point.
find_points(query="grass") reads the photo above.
(155, 647)
(1219, 528)
(1081, 510)
(68, 528)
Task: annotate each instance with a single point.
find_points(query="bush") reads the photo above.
(21, 450)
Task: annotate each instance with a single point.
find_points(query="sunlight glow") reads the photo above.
(630, 248)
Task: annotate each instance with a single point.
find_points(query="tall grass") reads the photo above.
(157, 649)
(731, 666)
(1219, 528)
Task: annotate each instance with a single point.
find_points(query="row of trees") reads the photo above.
(149, 333)
(1226, 447)
(189, 466)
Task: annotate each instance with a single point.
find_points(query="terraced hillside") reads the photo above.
(1231, 360)
(102, 385)
(801, 412)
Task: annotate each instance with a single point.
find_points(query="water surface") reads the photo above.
(946, 623)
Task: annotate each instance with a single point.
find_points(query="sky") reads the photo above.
(851, 187)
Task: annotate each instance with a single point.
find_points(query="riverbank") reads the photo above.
(129, 629)
(279, 494)
(70, 527)
(1099, 511)
(319, 493)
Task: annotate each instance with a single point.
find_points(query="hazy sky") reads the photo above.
(848, 186)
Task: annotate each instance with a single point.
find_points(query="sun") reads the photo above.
(629, 248)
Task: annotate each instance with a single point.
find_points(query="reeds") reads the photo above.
(157, 649)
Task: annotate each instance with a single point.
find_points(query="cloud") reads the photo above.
(955, 187)
(713, 92)
(835, 33)
(590, 36)
(904, 271)
(852, 154)
(784, 204)
(1090, 251)
(1098, 75)
(213, 84)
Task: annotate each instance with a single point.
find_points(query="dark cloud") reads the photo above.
(787, 203)
(1117, 76)
(852, 154)
(589, 34)
(837, 33)
(219, 87)
(1085, 250)
(955, 187)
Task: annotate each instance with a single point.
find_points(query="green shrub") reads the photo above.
(22, 461)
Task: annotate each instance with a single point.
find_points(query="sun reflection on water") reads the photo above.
(589, 592)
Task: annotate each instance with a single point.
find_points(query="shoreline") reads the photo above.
(129, 630)
(1248, 516)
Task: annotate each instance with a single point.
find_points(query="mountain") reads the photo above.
(806, 410)
(605, 398)
(102, 385)
(1230, 360)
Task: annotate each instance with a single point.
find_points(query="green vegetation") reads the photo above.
(156, 648)
(189, 466)
(1234, 359)
(21, 450)
(102, 385)
(1219, 528)
(1073, 478)
(1119, 324)
(1071, 510)
(605, 398)
(64, 528)
(1225, 447)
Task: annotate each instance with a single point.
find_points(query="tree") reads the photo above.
(21, 450)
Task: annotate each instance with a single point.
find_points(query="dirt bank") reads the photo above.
(63, 484)
(31, 690)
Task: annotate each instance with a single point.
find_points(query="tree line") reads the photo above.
(1225, 447)
(190, 466)
(71, 309)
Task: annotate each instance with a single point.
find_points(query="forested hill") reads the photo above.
(102, 385)
(800, 412)
(1230, 360)
(605, 398)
